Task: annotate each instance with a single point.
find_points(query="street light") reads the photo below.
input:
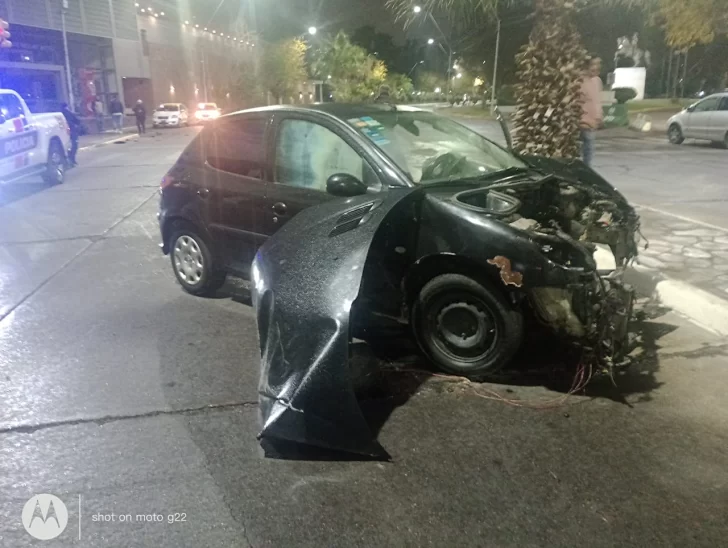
(312, 30)
(414, 67)
(418, 9)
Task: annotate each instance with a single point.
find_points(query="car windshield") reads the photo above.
(169, 108)
(207, 106)
(432, 148)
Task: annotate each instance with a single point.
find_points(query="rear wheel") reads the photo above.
(56, 165)
(465, 327)
(193, 262)
(674, 134)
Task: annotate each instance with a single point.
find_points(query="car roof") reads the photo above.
(343, 111)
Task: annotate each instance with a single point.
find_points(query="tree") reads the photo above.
(400, 86)
(430, 81)
(690, 23)
(283, 68)
(355, 75)
(548, 93)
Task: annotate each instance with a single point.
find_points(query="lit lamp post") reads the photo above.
(64, 9)
(414, 67)
(418, 9)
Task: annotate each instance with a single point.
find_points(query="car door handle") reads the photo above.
(203, 192)
(279, 208)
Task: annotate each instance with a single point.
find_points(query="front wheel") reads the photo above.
(674, 134)
(193, 263)
(465, 327)
(56, 165)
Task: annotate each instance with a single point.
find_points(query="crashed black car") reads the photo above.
(439, 228)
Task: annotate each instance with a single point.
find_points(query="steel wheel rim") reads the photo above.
(57, 163)
(465, 329)
(189, 263)
(674, 134)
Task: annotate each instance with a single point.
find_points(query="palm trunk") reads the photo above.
(548, 95)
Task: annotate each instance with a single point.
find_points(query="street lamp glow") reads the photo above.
(417, 9)
(430, 41)
(328, 77)
(437, 90)
(312, 30)
(460, 75)
(187, 22)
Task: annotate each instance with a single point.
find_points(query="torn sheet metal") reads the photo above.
(304, 284)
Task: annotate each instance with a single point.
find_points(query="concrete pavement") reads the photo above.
(123, 395)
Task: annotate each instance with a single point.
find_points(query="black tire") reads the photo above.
(725, 140)
(55, 172)
(193, 264)
(455, 301)
(674, 134)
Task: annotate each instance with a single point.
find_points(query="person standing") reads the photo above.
(140, 114)
(99, 113)
(592, 116)
(74, 125)
(117, 114)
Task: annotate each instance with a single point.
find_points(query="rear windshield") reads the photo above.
(207, 106)
(169, 107)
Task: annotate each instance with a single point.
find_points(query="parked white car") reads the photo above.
(31, 145)
(707, 119)
(170, 115)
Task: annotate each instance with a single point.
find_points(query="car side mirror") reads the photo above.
(345, 185)
(691, 108)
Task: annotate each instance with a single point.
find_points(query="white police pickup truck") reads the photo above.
(31, 145)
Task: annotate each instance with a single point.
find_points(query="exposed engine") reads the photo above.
(587, 230)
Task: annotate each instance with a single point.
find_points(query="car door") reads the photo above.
(719, 122)
(235, 185)
(306, 153)
(698, 126)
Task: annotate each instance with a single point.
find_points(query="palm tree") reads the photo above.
(549, 67)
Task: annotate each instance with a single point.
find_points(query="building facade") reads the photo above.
(149, 51)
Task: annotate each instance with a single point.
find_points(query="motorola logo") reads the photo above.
(45, 516)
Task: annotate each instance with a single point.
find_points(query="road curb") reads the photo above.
(701, 307)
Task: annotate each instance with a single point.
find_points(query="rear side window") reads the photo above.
(238, 146)
(10, 106)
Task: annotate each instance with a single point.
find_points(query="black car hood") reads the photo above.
(574, 170)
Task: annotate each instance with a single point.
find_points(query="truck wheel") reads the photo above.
(193, 262)
(56, 165)
(465, 327)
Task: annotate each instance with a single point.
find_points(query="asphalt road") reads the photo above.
(122, 395)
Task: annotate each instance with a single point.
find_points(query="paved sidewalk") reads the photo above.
(686, 251)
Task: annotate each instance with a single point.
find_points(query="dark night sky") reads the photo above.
(284, 18)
